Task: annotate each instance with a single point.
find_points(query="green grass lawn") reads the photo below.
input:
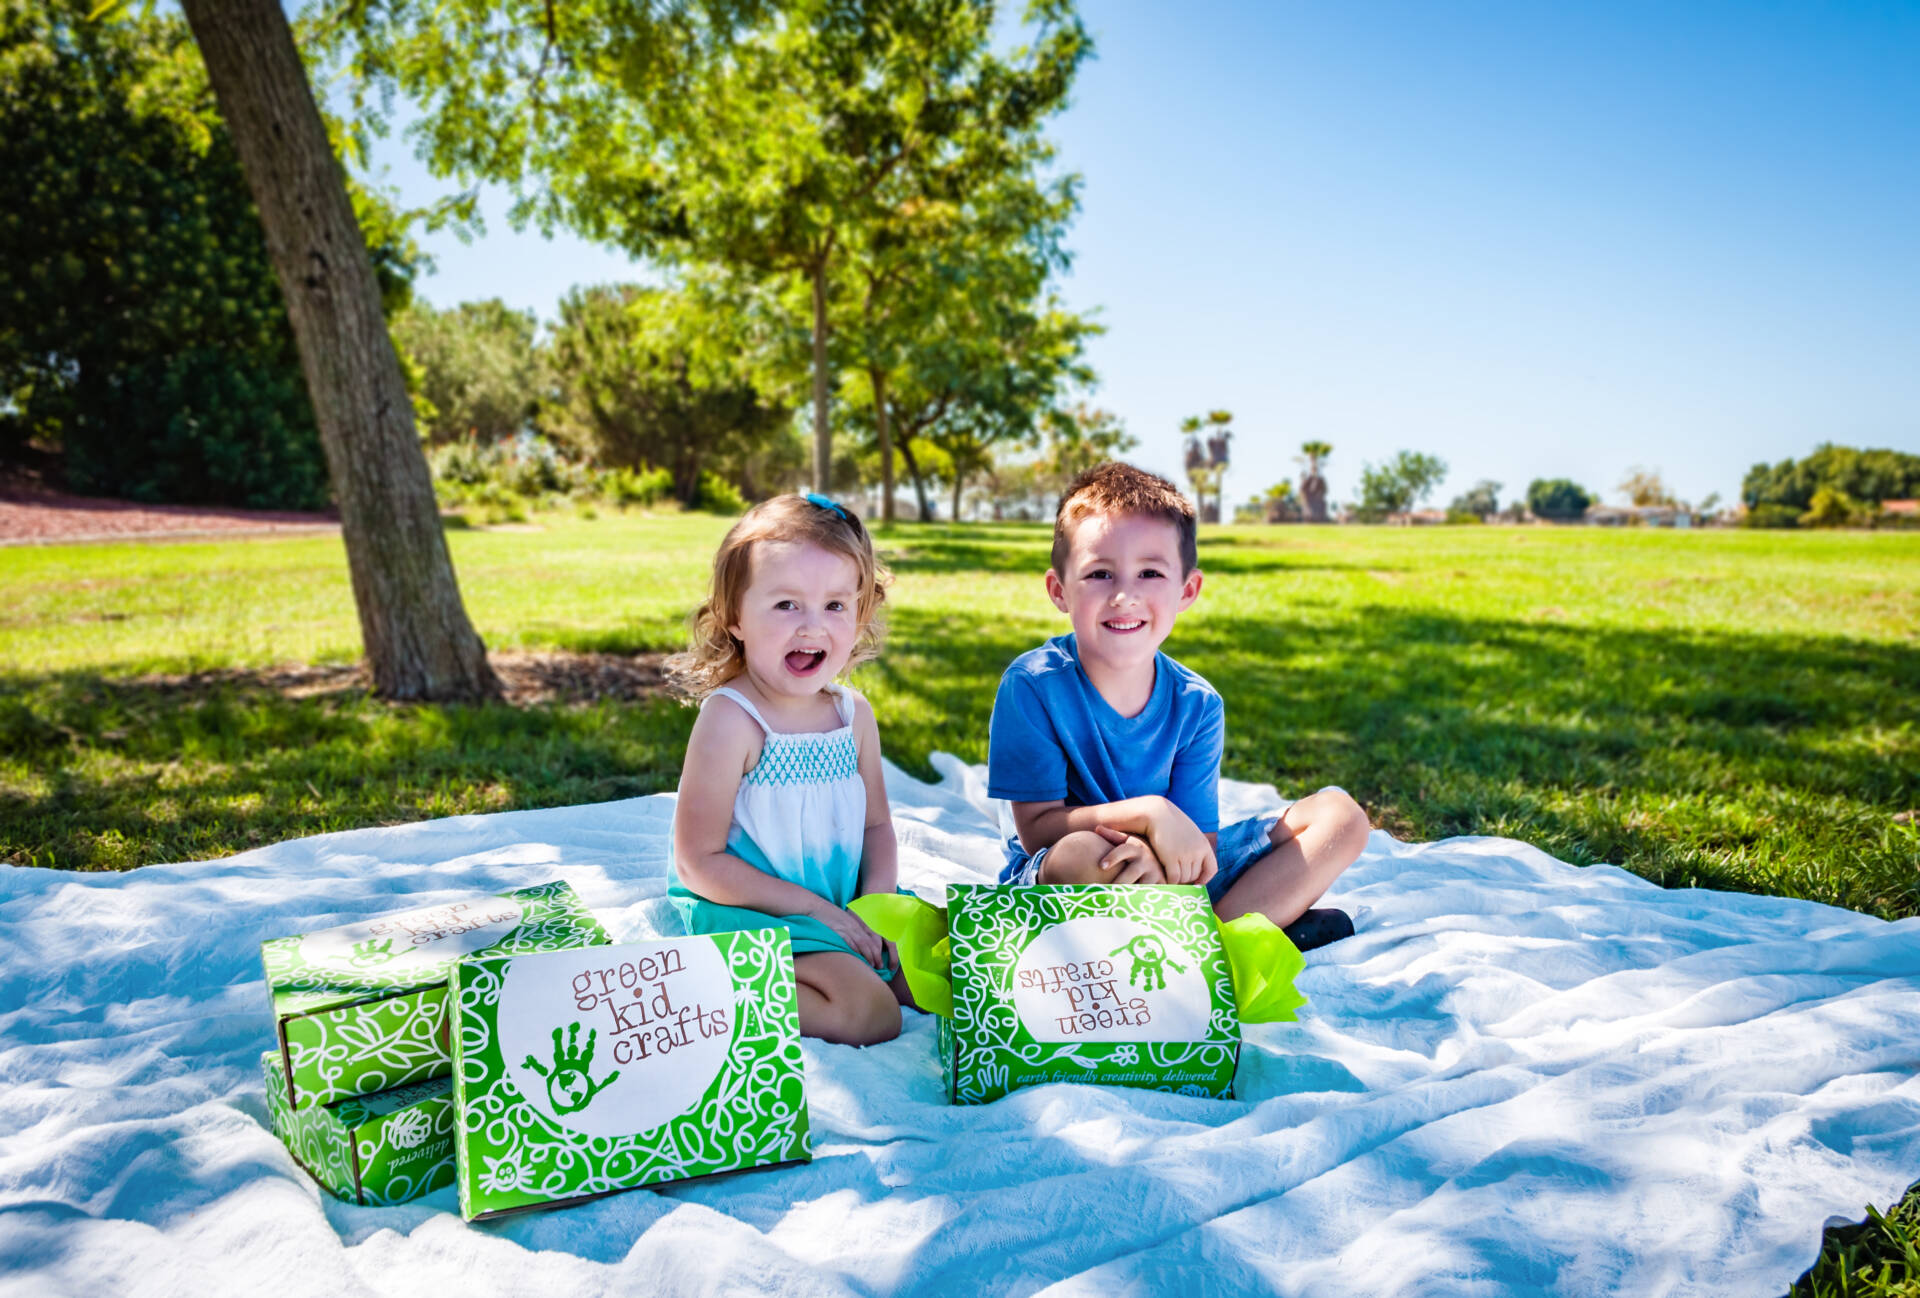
(1729, 709)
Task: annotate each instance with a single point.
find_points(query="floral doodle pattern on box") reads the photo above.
(1118, 986)
(584, 1072)
(353, 1025)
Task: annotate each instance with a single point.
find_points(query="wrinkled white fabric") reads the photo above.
(1519, 1076)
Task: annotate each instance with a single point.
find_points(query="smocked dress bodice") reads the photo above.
(801, 815)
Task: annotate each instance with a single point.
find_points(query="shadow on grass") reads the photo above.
(1759, 763)
(1024, 549)
(1763, 763)
(109, 774)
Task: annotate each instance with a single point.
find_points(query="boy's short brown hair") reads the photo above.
(1116, 488)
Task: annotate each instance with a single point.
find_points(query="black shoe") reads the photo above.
(1319, 927)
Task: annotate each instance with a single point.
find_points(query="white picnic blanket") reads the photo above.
(1518, 1077)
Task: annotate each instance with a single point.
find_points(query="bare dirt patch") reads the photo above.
(31, 514)
(530, 679)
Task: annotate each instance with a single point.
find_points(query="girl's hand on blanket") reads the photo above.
(853, 930)
(1129, 859)
(1185, 854)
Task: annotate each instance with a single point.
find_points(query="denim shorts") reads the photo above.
(1240, 845)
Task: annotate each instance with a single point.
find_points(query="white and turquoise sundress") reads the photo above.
(800, 815)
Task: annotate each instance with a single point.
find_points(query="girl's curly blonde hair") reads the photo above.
(715, 656)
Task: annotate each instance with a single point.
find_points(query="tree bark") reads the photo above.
(419, 642)
(919, 483)
(822, 435)
(881, 417)
(959, 485)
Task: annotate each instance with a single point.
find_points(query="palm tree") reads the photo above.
(1313, 487)
(1206, 459)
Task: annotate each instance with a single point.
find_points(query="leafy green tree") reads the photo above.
(479, 370)
(1482, 500)
(641, 380)
(1832, 507)
(1398, 485)
(1079, 438)
(140, 325)
(955, 316)
(718, 133)
(1871, 476)
(1559, 499)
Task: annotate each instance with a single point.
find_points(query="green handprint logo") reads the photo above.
(569, 1088)
(371, 955)
(1149, 956)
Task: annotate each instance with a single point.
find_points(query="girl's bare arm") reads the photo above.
(879, 859)
(724, 741)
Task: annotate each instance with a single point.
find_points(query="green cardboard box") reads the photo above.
(376, 1149)
(580, 1073)
(1114, 986)
(361, 1008)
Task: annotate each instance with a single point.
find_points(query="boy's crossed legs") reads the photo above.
(1312, 842)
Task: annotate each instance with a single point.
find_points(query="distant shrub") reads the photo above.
(718, 496)
(624, 487)
(1461, 517)
(1771, 516)
(1832, 507)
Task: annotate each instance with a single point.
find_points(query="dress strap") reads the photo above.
(843, 697)
(741, 699)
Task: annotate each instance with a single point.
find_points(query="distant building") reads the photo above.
(1902, 509)
(1643, 515)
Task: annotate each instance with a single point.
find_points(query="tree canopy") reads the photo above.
(1398, 485)
(639, 382)
(1871, 476)
(1558, 499)
(480, 372)
(141, 328)
(773, 143)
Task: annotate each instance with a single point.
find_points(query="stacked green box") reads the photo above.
(377, 1149)
(581, 1073)
(361, 1008)
(1115, 986)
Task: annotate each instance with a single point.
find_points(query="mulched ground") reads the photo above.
(34, 515)
(528, 678)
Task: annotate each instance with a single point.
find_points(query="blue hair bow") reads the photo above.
(815, 498)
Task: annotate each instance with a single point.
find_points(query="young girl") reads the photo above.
(782, 817)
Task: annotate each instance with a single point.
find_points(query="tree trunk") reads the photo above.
(883, 419)
(959, 485)
(919, 483)
(822, 436)
(419, 642)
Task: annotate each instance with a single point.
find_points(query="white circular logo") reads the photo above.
(413, 940)
(617, 1040)
(1105, 978)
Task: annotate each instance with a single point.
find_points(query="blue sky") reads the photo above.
(1538, 240)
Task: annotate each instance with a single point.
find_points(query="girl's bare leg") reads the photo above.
(842, 999)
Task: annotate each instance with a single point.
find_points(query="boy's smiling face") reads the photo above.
(1122, 589)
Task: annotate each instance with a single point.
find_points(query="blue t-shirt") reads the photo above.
(1053, 736)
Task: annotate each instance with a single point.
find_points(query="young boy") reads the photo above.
(1110, 751)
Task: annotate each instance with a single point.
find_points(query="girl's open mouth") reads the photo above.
(804, 662)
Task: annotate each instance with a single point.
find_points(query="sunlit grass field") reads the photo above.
(1728, 709)
(1738, 710)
